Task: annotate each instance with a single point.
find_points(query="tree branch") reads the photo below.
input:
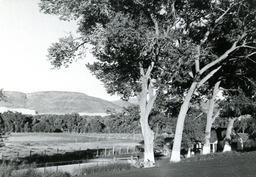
(208, 76)
(221, 58)
(218, 19)
(247, 46)
(156, 24)
(251, 54)
(198, 116)
(206, 35)
(149, 70)
(141, 70)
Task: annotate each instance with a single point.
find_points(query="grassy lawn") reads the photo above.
(231, 165)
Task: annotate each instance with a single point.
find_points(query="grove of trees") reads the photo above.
(182, 50)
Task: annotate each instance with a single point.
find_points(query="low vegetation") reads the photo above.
(12, 171)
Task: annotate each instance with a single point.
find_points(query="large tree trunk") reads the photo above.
(210, 120)
(146, 100)
(175, 157)
(227, 146)
(148, 136)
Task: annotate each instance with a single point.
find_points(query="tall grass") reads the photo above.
(11, 171)
(114, 167)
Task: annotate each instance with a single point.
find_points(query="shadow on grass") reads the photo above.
(76, 157)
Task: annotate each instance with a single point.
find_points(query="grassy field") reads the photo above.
(26, 144)
(227, 165)
(217, 165)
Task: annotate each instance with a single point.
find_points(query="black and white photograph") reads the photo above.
(127, 88)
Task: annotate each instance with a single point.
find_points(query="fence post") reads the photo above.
(127, 150)
(97, 155)
(113, 150)
(105, 152)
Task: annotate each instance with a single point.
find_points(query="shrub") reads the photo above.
(250, 145)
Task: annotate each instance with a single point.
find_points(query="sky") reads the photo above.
(25, 36)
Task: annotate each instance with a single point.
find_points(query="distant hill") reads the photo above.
(57, 102)
(122, 103)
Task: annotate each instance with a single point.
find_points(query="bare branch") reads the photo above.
(198, 116)
(216, 89)
(251, 54)
(221, 58)
(218, 19)
(208, 76)
(247, 46)
(206, 35)
(150, 68)
(251, 60)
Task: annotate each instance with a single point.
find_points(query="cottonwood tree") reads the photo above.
(134, 42)
(219, 29)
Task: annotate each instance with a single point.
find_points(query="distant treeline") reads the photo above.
(123, 122)
(17, 122)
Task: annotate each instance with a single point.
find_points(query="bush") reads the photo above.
(250, 145)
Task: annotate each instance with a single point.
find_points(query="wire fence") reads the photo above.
(76, 159)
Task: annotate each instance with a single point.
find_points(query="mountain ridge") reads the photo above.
(57, 102)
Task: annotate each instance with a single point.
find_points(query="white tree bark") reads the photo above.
(227, 146)
(189, 153)
(175, 157)
(210, 120)
(146, 100)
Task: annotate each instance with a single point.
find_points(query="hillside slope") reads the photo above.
(57, 102)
